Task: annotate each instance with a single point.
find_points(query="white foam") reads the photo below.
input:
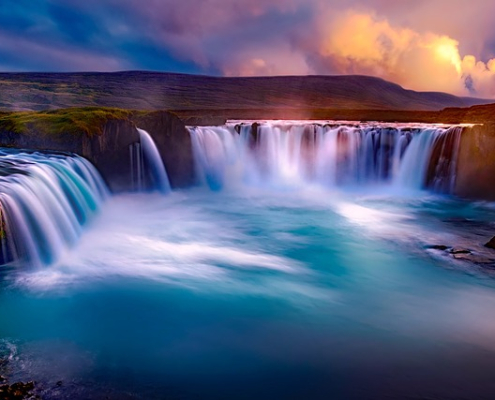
(165, 240)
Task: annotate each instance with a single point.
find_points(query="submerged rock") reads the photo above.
(463, 254)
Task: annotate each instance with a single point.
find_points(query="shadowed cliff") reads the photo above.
(476, 163)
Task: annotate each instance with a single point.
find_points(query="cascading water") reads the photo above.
(147, 169)
(327, 153)
(45, 199)
(442, 167)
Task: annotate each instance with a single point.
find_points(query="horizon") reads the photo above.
(205, 75)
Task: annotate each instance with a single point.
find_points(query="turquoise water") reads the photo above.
(259, 293)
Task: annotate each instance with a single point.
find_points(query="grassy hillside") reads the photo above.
(179, 92)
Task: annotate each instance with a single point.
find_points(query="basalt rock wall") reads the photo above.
(476, 163)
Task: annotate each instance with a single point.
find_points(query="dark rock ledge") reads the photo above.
(459, 253)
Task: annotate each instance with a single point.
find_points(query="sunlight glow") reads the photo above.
(446, 49)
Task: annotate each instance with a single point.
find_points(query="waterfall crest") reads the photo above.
(45, 200)
(415, 156)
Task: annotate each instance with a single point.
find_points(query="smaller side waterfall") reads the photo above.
(45, 200)
(147, 169)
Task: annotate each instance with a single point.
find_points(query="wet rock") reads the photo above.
(491, 243)
(459, 250)
(463, 254)
(476, 163)
(17, 391)
(439, 247)
(254, 131)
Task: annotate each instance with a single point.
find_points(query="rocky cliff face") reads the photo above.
(476, 163)
(109, 152)
(107, 143)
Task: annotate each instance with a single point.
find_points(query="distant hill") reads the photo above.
(153, 90)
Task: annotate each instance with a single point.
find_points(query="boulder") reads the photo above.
(17, 391)
(459, 250)
(440, 247)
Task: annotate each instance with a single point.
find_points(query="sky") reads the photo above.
(426, 45)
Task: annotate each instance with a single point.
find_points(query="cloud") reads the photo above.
(208, 32)
(273, 59)
(362, 43)
(43, 56)
(405, 42)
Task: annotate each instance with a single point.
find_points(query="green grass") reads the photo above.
(87, 120)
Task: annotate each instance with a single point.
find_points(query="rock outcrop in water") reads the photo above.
(18, 391)
(104, 137)
(491, 243)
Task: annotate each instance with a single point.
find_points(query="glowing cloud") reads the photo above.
(266, 62)
(353, 42)
(361, 43)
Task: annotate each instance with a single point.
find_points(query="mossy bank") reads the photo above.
(103, 136)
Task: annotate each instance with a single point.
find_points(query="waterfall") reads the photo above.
(415, 156)
(147, 169)
(442, 168)
(45, 199)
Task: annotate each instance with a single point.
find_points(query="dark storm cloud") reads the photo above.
(60, 36)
